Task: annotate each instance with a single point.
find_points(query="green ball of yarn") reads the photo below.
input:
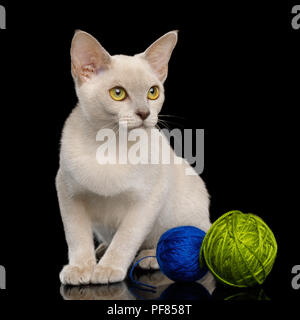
(239, 249)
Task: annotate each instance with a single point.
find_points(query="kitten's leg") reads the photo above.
(156, 279)
(127, 240)
(79, 236)
(148, 263)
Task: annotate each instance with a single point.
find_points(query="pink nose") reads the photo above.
(142, 114)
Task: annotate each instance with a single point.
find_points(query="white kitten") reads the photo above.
(127, 206)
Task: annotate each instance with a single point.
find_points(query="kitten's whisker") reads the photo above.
(164, 124)
(171, 116)
(172, 122)
(160, 121)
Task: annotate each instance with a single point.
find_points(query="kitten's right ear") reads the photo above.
(88, 56)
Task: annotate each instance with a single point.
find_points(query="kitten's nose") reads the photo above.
(143, 114)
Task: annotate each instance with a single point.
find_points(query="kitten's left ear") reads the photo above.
(159, 53)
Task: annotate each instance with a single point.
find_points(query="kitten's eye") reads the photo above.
(153, 93)
(118, 93)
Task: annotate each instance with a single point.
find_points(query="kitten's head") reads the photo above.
(120, 88)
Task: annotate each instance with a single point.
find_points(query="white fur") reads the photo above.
(127, 206)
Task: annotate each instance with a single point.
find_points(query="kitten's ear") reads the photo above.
(159, 53)
(88, 56)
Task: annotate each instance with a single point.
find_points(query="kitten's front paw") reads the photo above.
(148, 263)
(76, 292)
(76, 275)
(104, 274)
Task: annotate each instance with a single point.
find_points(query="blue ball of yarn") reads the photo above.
(178, 251)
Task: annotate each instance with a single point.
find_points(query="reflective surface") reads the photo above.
(166, 289)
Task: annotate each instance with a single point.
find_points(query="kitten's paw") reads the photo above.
(76, 293)
(116, 291)
(101, 250)
(104, 274)
(76, 275)
(148, 263)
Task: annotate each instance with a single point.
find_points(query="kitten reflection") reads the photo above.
(116, 291)
(165, 289)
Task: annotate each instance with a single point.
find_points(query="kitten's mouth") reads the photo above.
(131, 126)
(145, 126)
(141, 126)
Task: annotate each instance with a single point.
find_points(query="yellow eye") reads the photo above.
(118, 93)
(153, 93)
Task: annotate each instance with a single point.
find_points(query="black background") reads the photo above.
(234, 72)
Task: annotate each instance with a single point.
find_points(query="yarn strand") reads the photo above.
(136, 281)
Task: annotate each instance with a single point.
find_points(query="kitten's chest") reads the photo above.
(96, 166)
(107, 213)
(108, 179)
